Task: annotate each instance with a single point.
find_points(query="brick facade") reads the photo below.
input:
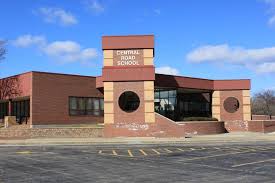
(263, 126)
(226, 116)
(49, 95)
(50, 98)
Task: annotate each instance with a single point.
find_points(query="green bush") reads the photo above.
(199, 119)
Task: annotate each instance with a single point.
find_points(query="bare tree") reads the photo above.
(2, 49)
(9, 88)
(264, 103)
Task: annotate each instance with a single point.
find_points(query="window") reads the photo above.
(3, 109)
(231, 105)
(129, 101)
(80, 106)
(165, 102)
(20, 109)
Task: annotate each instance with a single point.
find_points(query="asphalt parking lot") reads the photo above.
(138, 163)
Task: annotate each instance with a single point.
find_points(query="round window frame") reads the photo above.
(123, 107)
(231, 109)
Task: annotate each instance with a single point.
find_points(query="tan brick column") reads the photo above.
(108, 90)
(149, 105)
(216, 105)
(246, 105)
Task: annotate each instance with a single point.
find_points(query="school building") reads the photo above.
(129, 99)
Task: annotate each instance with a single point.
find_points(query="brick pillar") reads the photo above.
(128, 67)
(9, 108)
(216, 105)
(246, 105)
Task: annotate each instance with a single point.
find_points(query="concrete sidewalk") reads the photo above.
(243, 137)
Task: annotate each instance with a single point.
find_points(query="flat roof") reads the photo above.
(128, 42)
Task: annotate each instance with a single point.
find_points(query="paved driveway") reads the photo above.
(138, 163)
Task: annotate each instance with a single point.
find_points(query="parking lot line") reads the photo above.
(251, 163)
(114, 152)
(155, 151)
(180, 149)
(212, 156)
(143, 152)
(130, 153)
(167, 150)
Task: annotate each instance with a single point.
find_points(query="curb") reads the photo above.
(47, 142)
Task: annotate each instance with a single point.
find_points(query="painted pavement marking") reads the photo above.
(167, 150)
(143, 152)
(156, 151)
(180, 149)
(252, 163)
(114, 152)
(130, 153)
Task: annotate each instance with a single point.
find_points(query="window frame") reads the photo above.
(86, 111)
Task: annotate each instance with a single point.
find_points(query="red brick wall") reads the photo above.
(238, 115)
(269, 126)
(264, 126)
(236, 126)
(203, 127)
(134, 117)
(50, 100)
(256, 126)
(163, 127)
(22, 85)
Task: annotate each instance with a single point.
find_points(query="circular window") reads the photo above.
(128, 101)
(231, 104)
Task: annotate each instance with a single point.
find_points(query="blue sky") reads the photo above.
(215, 39)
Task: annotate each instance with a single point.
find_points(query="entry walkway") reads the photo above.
(243, 137)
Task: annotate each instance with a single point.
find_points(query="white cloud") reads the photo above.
(57, 15)
(29, 40)
(262, 59)
(271, 4)
(224, 52)
(64, 51)
(266, 68)
(62, 47)
(167, 70)
(69, 51)
(95, 6)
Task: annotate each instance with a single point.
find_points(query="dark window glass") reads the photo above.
(96, 107)
(89, 106)
(85, 106)
(101, 104)
(129, 101)
(164, 94)
(3, 109)
(165, 102)
(20, 109)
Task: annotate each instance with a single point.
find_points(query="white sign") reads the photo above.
(127, 57)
